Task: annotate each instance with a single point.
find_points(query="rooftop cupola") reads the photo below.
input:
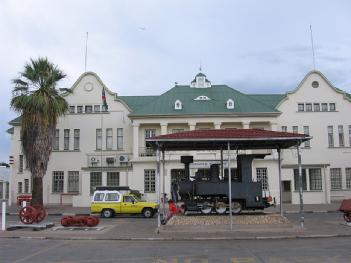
(200, 81)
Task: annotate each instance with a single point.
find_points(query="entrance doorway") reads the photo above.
(287, 192)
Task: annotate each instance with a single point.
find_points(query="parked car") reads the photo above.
(109, 203)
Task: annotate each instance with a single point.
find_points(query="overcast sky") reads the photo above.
(143, 47)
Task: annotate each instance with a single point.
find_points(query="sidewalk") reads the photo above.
(137, 228)
(59, 210)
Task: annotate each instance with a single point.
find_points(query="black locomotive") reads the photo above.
(208, 192)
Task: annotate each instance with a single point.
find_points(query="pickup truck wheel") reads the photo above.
(107, 213)
(148, 213)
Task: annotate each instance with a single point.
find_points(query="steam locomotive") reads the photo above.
(210, 192)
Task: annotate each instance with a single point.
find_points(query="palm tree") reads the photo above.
(38, 101)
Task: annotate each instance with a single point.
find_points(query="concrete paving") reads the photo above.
(319, 221)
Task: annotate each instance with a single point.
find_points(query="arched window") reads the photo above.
(230, 104)
(177, 105)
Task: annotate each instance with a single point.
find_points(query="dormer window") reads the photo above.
(200, 81)
(230, 104)
(177, 105)
(202, 97)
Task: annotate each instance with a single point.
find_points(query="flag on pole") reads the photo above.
(104, 103)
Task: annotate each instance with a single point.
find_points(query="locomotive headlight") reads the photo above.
(257, 198)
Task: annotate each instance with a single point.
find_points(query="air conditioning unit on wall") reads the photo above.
(123, 158)
(94, 161)
(110, 160)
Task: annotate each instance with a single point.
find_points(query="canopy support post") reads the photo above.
(158, 188)
(280, 181)
(222, 167)
(302, 216)
(163, 183)
(230, 189)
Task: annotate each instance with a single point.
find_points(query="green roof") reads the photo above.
(271, 100)
(135, 102)
(218, 94)
(16, 122)
(10, 131)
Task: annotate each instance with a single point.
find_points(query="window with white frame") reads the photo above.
(177, 105)
(79, 109)
(98, 139)
(72, 109)
(88, 108)
(230, 104)
(261, 176)
(284, 128)
(324, 106)
(76, 142)
(332, 107)
(202, 97)
(20, 187)
(96, 108)
(300, 107)
(57, 181)
(348, 177)
(20, 164)
(316, 107)
(66, 139)
(56, 141)
(330, 136)
(149, 133)
(95, 180)
(109, 139)
(296, 179)
(73, 181)
(306, 131)
(119, 138)
(315, 179)
(335, 179)
(295, 129)
(308, 106)
(112, 178)
(149, 181)
(26, 186)
(341, 135)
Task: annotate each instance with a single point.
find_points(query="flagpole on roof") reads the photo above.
(86, 54)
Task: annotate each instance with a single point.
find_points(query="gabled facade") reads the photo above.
(96, 147)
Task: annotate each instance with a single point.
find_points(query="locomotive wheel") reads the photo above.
(236, 207)
(28, 215)
(41, 213)
(347, 217)
(206, 208)
(221, 208)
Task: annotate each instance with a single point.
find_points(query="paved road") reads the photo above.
(272, 251)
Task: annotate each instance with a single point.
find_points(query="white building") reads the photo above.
(95, 147)
(4, 183)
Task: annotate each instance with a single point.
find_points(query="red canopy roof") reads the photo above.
(219, 138)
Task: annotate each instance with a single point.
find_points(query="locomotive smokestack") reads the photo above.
(187, 160)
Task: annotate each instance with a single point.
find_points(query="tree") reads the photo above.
(38, 101)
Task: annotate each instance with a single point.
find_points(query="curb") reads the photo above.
(285, 212)
(312, 212)
(183, 239)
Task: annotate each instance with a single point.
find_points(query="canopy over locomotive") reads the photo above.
(211, 192)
